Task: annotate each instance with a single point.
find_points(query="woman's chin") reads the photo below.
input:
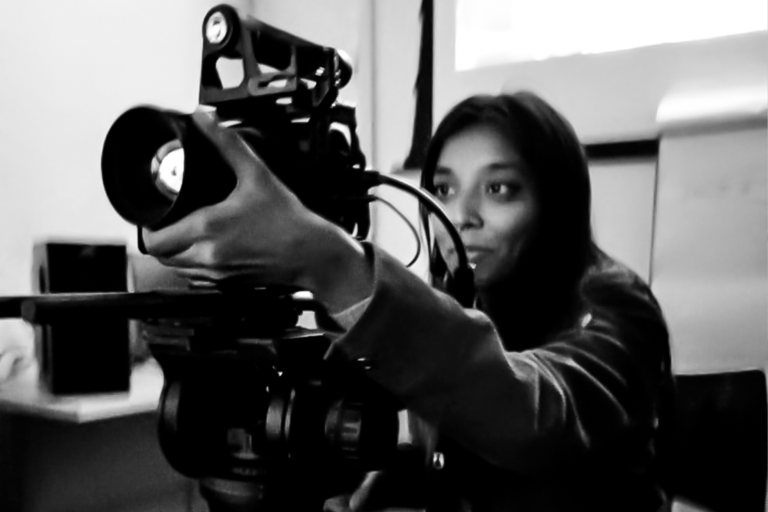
(481, 280)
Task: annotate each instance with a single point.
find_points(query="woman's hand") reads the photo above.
(262, 235)
(375, 494)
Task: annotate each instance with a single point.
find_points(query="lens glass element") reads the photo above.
(216, 28)
(168, 169)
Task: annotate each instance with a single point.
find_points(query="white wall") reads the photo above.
(710, 254)
(606, 96)
(397, 32)
(67, 70)
(613, 96)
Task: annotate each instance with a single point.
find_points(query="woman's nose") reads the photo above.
(465, 212)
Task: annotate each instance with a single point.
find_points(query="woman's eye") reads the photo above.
(442, 190)
(503, 191)
(498, 188)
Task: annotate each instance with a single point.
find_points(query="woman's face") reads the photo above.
(490, 198)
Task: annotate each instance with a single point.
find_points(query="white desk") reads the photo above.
(24, 394)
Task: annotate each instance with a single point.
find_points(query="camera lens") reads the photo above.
(157, 166)
(167, 169)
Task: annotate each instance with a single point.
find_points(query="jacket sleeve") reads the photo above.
(589, 389)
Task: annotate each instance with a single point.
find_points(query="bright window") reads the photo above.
(492, 32)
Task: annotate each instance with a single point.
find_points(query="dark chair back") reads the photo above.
(721, 441)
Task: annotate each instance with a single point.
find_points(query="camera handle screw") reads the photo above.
(438, 461)
(216, 28)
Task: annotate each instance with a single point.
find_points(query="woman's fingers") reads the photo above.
(252, 173)
(198, 225)
(359, 499)
(235, 151)
(183, 234)
(204, 223)
(337, 504)
(169, 241)
(252, 233)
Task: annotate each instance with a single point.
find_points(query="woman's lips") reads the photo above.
(474, 249)
(471, 250)
(476, 254)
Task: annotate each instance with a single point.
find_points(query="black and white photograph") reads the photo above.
(383, 256)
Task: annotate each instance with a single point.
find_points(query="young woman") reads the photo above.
(550, 393)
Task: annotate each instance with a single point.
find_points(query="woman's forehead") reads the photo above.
(479, 148)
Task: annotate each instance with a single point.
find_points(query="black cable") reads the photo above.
(433, 206)
(462, 286)
(410, 225)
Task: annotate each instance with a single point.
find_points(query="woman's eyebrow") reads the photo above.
(505, 165)
(442, 170)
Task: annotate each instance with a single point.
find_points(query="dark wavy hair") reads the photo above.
(562, 247)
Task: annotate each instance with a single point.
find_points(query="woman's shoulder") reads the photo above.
(608, 280)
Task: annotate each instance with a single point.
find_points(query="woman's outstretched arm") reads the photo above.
(590, 389)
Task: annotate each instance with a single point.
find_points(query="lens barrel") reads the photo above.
(131, 185)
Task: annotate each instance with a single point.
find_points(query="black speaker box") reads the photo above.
(85, 355)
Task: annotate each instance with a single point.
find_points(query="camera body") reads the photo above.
(285, 108)
(253, 409)
(251, 406)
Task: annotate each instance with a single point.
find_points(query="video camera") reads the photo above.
(251, 405)
(158, 167)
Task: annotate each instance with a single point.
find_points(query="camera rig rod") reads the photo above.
(47, 309)
(10, 307)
